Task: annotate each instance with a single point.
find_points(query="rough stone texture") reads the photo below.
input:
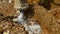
(43, 17)
(54, 6)
(31, 2)
(56, 15)
(57, 1)
(49, 20)
(7, 9)
(18, 30)
(33, 27)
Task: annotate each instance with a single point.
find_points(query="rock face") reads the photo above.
(6, 8)
(29, 16)
(54, 6)
(43, 17)
(57, 1)
(56, 18)
(31, 2)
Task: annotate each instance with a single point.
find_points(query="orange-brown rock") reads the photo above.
(17, 30)
(31, 2)
(7, 9)
(54, 6)
(57, 1)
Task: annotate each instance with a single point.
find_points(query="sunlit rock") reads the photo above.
(33, 27)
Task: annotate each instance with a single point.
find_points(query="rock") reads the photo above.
(6, 8)
(54, 6)
(56, 19)
(20, 18)
(32, 27)
(57, 1)
(17, 29)
(5, 25)
(31, 2)
(6, 32)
